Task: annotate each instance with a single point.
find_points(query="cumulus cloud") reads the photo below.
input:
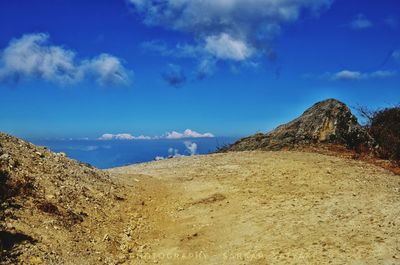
(123, 136)
(191, 147)
(173, 152)
(360, 22)
(187, 134)
(347, 75)
(106, 70)
(32, 56)
(225, 47)
(230, 29)
(174, 76)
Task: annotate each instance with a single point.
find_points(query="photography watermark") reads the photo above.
(201, 255)
(173, 255)
(246, 256)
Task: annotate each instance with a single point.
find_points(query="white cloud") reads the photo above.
(360, 22)
(382, 74)
(172, 153)
(106, 70)
(191, 147)
(246, 27)
(122, 136)
(142, 137)
(106, 136)
(224, 46)
(187, 134)
(347, 75)
(31, 56)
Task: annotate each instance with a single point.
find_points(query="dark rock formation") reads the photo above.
(329, 122)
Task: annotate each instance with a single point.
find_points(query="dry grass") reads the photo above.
(360, 155)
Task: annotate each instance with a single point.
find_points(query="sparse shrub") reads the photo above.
(356, 143)
(3, 185)
(384, 126)
(71, 218)
(10, 188)
(49, 208)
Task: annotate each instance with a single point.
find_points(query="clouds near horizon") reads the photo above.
(188, 133)
(122, 136)
(33, 57)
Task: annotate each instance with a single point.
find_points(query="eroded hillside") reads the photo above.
(55, 210)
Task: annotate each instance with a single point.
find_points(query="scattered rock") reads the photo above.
(211, 199)
(4, 157)
(39, 154)
(62, 154)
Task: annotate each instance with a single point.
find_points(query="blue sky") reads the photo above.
(229, 67)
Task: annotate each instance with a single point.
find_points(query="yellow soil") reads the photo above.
(259, 208)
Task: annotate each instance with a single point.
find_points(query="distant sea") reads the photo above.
(107, 154)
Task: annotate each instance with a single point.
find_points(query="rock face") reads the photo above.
(329, 121)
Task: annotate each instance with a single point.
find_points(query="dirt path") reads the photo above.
(262, 208)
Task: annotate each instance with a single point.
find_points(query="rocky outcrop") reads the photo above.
(327, 122)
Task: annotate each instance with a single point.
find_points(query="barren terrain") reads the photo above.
(263, 208)
(253, 207)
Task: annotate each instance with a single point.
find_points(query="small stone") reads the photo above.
(39, 154)
(5, 157)
(35, 260)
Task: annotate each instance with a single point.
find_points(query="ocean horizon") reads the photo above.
(105, 154)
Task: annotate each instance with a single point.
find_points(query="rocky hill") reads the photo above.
(47, 203)
(327, 122)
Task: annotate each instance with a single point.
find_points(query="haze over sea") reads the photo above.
(113, 153)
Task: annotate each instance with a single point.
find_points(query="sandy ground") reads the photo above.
(259, 208)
